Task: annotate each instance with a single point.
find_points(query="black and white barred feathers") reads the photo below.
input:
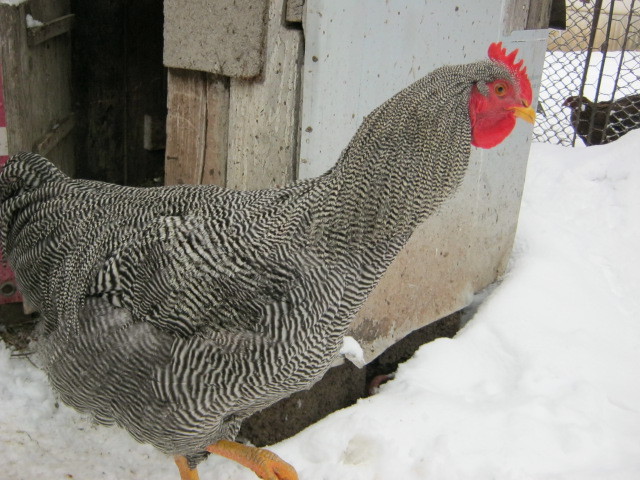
(176, 312)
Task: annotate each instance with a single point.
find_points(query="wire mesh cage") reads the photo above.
(590, 90)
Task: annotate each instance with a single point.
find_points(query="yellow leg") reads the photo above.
(185, 472)
(265, 464)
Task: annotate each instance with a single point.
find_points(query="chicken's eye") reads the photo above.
(500, 89)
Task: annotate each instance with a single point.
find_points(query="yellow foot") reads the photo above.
(185, 472)
(266, 465)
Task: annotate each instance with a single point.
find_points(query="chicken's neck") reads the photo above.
(408, 156)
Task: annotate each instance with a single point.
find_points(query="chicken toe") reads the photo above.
(265, 464)
(186, 473)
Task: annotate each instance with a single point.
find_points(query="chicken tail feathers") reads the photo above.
(26, 171)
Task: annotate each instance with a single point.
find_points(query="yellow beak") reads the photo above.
(525, 113)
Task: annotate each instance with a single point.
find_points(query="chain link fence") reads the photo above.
(590, 89)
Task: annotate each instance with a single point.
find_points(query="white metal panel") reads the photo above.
(358, 54)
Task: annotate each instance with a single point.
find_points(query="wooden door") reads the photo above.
(35, 91)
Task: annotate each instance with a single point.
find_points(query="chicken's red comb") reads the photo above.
(499, 54)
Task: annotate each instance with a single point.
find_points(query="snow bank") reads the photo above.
(541, 384)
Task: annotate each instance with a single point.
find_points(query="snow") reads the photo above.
(352, 351)
(32, 22)
(540, 384)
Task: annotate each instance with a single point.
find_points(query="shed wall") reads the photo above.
(360, 54)
(36, 69)
(356, 56)
(35, 101)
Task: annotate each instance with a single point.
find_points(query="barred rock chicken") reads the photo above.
(603, 122)
(177, 312)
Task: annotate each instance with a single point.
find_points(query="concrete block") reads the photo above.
(295, 9)
(225, 37)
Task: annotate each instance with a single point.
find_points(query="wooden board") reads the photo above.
(186, 127)
(526, 15)
(8, 289)
(515, 15)
(57, 26)
(263, 114)
(214, 170)
(37, 81)
(241, 133)
(197, 125)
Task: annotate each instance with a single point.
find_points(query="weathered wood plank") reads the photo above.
(263, 115)
(526, 15)
(36, 87)
(539, 14)
(186, 126)
(515, 15)
(42, 33)
(55, 135)
(36, 80)
(215, 156)
(4, 146)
